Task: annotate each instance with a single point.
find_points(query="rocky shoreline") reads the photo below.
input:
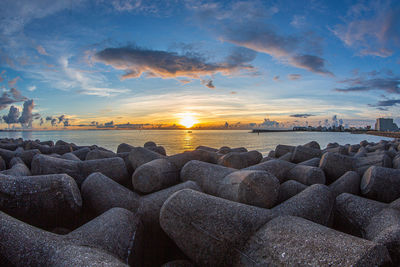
(68, 205)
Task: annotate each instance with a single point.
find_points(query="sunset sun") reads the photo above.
(188, 120)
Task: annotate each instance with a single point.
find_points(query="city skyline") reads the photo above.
(205, 63)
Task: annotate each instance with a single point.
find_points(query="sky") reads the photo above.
(233, 64)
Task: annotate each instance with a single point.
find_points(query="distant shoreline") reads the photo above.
(385, 134)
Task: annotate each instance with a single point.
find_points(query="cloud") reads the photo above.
(40, 49)
(301, 115)
(13, 82)
(298, 21)
(162, 64)
(26, 118)
(208, 83)
(10, 97)
(248, 25)
(267, 123)
(386, 103)
(372, 29)
(1, 76)
(311, 63)
(61, 118)
(41, 121)
(32, 88)
(184, 81)
(17, 95)
(66, 122)
(284, 48)
(294, 76)
(16, 14)
(363, 83)
(12, 116)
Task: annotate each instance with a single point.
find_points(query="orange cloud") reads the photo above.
(161, 64)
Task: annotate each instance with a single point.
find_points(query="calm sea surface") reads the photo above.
(176, 141)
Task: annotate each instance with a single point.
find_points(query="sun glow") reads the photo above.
(188, 120)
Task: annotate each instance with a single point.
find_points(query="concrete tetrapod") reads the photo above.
(208, 229)
(240, 160)
(294, 241)
(347, 183)
(140, 155)
(289, 189)
(382, 184)
(258, 188)
(381, 222)
(18, 168)
(112, 239)
(25, 155)
(352, 213)
(335, 165)
(70, 156)
(99, 154)
(281, 150)
(100, 194)
(284, 171)
(44, 201)
(211, 230)
(113, 168)
(164, 172)
(303, 153)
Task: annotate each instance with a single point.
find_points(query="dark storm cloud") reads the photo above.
(137, 61)
(12, 116)
(302, 115)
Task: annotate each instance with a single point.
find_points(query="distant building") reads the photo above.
(385, 125)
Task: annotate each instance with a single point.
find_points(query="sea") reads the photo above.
(176, 141)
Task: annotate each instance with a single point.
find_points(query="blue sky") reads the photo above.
(157, 62)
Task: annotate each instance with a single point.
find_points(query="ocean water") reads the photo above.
(176, 141)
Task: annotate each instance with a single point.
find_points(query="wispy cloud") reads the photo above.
(13, 82)
(387, 103)
(388, 84)
(294, 76)
(372, 28)
(137, 62)
(298, 21)
(301, 115)
(32, 88)
(16, 14)
(40, 49)
(248, 25)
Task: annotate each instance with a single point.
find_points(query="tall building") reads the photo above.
(386, 125)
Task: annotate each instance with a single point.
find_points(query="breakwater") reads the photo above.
(385, 134)
(63, 204)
